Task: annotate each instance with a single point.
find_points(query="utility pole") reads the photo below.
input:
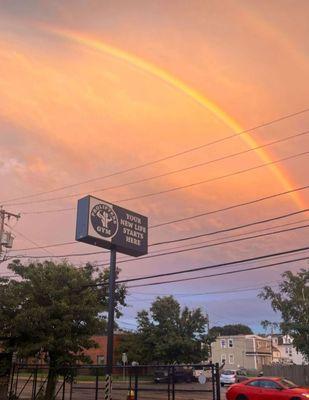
(6, 237)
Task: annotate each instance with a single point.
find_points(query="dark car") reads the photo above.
(176, 374)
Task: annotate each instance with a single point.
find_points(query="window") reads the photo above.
(223, 358)
(258, 344)
(100, 360)
(231, 343)
(223, 344)
(269, 385)
(254, 383)
(231, 358)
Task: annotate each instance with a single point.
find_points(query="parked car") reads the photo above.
(228, 377)
(202, 370)
(266, 389)
(181, 374)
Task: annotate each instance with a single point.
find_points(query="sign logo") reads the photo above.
(104, 220)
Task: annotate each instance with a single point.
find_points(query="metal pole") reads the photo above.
(111, 314)
(2, 215)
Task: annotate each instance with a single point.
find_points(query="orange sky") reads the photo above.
(184, 75)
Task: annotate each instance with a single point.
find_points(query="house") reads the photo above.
(284, 352)
(242, 351)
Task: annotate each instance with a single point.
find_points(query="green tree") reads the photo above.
(167, 334)
(229, 330)
(54, 309)
(292, 302)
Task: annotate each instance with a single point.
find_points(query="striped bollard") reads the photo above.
(108, 387)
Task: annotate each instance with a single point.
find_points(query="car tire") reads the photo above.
(295, 398)
(241, 397)
(222, 384)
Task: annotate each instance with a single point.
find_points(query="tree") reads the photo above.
(292, 301)
(167, 334)
(230, 330)
(54, 309)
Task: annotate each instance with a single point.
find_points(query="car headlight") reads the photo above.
(306, 395)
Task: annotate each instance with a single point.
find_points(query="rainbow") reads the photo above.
(181, 86)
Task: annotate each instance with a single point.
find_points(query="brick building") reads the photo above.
(98, 355)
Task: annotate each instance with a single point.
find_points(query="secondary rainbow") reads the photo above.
(181, 86)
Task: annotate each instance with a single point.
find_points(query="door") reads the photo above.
(271, 390)
(252, 390)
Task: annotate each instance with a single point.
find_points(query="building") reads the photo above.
(242, 351)
(99, 355)
(284, 352)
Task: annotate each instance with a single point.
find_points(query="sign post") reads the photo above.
(106, 225)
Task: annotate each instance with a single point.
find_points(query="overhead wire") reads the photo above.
(184, 238)
(143, 180)
(218, 274)
(153, 254)
(160, 192)
(220, 265)
(149, 163)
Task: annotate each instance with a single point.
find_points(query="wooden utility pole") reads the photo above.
(6, 239)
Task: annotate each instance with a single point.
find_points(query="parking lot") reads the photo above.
(147, 391)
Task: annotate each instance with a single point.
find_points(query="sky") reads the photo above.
(93, 88)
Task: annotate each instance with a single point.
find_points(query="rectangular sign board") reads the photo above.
(106, 225)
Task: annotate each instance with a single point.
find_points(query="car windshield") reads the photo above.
(228, 372)
(287, 384)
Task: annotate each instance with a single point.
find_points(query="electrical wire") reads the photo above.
(228, 208)
(226, 264)
(143, 180)
(218, 274)
(160, 192)
(126, 260)
(194, 236)
(171, 156)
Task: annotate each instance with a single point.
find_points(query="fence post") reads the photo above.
(35, 377)
(16, 382)
(213, 382)
(96, 384)
(169, 383)
(173, 382)
(136, 384)
(218, 391)
(63, 388)
(12, 380)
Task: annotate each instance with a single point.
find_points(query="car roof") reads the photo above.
(266, 378)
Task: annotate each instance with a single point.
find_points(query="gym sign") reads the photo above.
(106, 225)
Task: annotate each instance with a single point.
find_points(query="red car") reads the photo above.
(266, 389)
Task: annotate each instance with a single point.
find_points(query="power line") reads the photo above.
(28, 240)
(226, 264)
(134, 182)
(165, 253)
(207, 245)
(204, 293)
(184, 186)
(242, 171)
(282, 118)
(194, 236)
(233, 236)
(218, 274)
(232, 228)
(250, 202)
